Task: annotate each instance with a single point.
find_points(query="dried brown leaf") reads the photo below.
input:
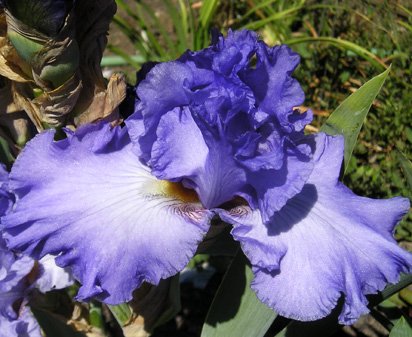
(12, 118)
(105, 103)
(50, 108)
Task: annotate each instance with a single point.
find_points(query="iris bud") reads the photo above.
(51, 50)
(46, 16)
(42, 32)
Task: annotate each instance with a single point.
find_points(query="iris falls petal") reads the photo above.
(89, 200)
(25, 326)
(13, 270)
(325, 242)
(51, 276)
(6, 198)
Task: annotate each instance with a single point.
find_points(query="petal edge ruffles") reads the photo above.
(89, 200)
(325, 242)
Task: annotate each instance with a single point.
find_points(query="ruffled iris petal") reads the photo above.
(6, 198)
(326, 241)
(90, 201)
(186, 151)
(52, 276)
(179, 150)
(276, 91)
(275, 187)
(13, 270)
(221, 120)
(24, 326)
(166, 86)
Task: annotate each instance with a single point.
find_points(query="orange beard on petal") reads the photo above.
(178, 191)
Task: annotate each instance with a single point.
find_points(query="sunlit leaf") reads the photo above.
(176, 17)
(122, 313)
(254, 9)
(402, 328)
(349, 116)
(123, 59)
(235, 310)
(171, 45)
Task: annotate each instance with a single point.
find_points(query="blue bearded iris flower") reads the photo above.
(214, 128)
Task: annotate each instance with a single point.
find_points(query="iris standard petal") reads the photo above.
(164, 88)
(220, 124)
(200, 160)
(325, 242)
(179, 150)
(90, 201)
(276, 91)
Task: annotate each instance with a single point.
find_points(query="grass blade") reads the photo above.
(165, 35)
(128, 59)
(274, 17)
(207, 11)
(177, 23)
(257, 7)
(347, 45)
(402, 328)
(123, 60)
(131, 34)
